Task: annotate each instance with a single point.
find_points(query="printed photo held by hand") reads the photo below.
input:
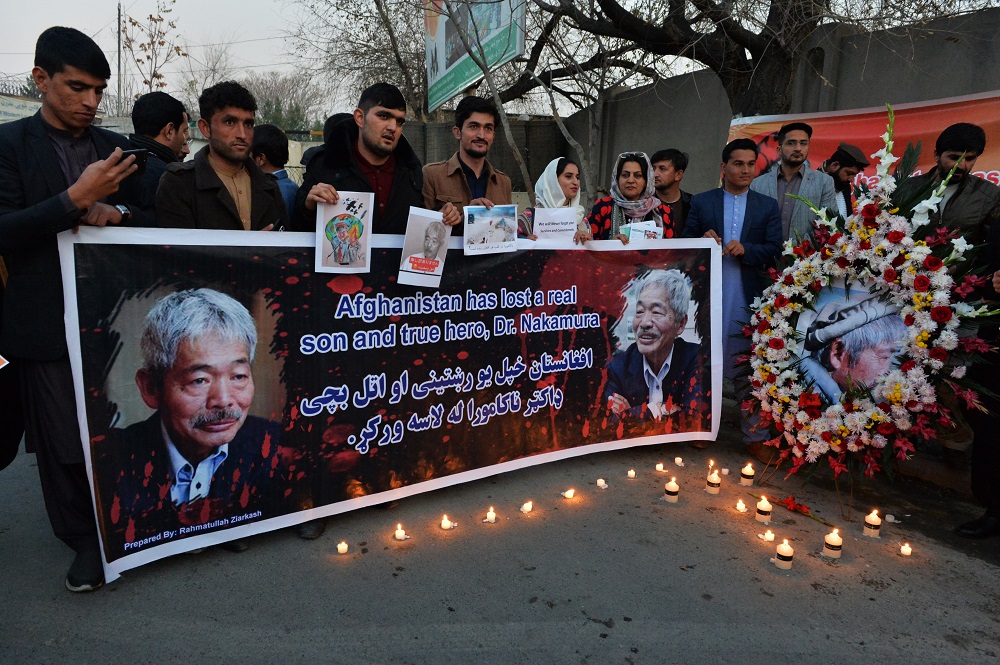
(425, 248)
(343, 231)
(490, 230)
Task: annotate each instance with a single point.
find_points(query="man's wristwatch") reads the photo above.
(126, 213)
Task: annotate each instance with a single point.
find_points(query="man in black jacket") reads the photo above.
(368, 153)
(56, 173)
(161, 127)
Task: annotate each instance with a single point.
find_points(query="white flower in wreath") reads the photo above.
(958, 372)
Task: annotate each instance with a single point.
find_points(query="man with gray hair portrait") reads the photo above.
(850, 345)
(200, 457)
(429, 261)
(660, 374)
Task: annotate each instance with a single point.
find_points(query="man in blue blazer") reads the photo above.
(792, 175)
(56, 173)
(659, 375)
(748, 226)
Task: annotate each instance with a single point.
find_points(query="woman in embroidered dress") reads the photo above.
(633, 199)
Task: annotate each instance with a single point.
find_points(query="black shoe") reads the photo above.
(86, 573)
(986, 526)
(240, 545)
(312, 530)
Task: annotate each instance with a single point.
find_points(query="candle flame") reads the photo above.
(444, 518)
(786, 541)
(835, 530)
(874, 512)
(491, 509)
(399, 527)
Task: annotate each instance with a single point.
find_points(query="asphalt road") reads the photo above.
(614, 576)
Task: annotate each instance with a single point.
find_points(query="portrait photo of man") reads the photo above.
(850, 344)
(659, 375)
(201, 457)
(429, 261)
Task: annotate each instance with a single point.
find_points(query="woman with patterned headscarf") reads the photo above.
(633, 199)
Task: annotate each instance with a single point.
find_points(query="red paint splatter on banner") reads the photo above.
(462, 355)
(130, 531)
(586, 428)
(245, 497)
(265, 448)
(346, 284)
(116, 510)
(291, 280)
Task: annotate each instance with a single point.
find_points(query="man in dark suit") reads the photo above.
(161, 127)
(748, 226)
(660, 374)
(56, 173)
(200, 458)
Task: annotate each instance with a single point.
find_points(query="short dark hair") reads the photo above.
(332, 122)
(794, 127)
(59, 47)
(270, 141)
(221, 95)
(961, 137)
(673, 155)
(154, 111)
(636, 157)
(563, 163)
(738, 144)
(382, 94)
(470, 105)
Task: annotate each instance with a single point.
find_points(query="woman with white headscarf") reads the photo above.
(633, 199)
(557, 187)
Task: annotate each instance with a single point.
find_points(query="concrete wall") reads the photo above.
(845, 69)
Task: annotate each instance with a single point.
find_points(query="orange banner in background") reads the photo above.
(922, 121)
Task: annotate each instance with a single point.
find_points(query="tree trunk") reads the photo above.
(764, 90)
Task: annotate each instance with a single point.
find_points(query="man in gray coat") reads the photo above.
(792, 175)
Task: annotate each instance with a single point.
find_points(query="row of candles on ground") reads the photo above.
(832, 543)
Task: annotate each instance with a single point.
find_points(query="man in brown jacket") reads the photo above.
(221, 188)
(467, 178)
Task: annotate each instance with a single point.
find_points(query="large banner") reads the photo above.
(226, 388)
(917, 122)
(496, 25)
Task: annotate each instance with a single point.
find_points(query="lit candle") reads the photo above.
(872, 524)
(763, 511)
(832, 544)
(713, 483)
(342, 547)
(740, 506)
(783, 559)
(526, 507)
(447, 523)
(659, 466)
(600, 483)
(671, 490)
(568, 494)
(769, 536)
(631, 473)
(491, 516)
(678, 461)
(400, 534)
(746, 475)
(906, 550)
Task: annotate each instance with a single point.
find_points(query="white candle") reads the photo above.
(600, 483)
(678, 461)
(746, 475)
(342, 547)
(568, 494)
(659, 466)
(631, 473)
(872, 524)
(769, 536)
(906, 550)
(713, 483)
(671, 490)
(763, 511)
(784, 558)
(832, 544)
(740, 506)
(491, 516)
(447, 523)
(526, 507)
(400, 534)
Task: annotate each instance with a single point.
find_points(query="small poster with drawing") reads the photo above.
(490, 230)
(343, 230)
